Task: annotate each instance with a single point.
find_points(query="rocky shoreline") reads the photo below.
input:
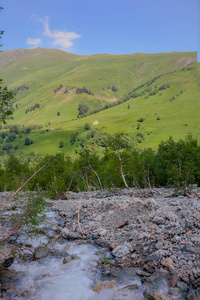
(150, 230)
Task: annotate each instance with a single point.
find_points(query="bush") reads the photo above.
(140, 120)
(27, 142)
(83, 108)
(87, 126)
(61, 144)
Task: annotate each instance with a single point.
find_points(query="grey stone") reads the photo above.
(151, 294)
(120, 251)
(194, 294)
(6, 256)
(158, 220)
(40, 252)
(182, 286)
(173, 291)
(67, 259)
(171, 216)
(142, 273)
(131, 287)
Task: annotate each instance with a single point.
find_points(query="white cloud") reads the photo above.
(62, 39)
(34, 42)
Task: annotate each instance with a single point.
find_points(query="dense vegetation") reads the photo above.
(174, 163)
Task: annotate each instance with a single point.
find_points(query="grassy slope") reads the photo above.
(47, 69)
(42, 70)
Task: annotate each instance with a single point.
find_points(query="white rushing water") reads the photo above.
(50, 279)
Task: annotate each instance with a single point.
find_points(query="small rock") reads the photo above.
(142, 273)
(151, 294)
(40, 252)
(166, 262)
(171, 216)
(158, 220)
(174, 291)
(182, 286)
(6, 256)
(104, 285)
(67, 259)
(102, 231)
(131, 287)
(194, 294)
(150, 203)
(120, 251)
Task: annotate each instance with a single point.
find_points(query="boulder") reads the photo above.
(6, 256)
(40, 252)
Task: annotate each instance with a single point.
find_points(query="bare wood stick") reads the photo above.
(97, 176)
(122, 224)
(51, 223)
(8, 199)
(175, 278)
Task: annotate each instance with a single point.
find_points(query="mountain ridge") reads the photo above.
(53, 82)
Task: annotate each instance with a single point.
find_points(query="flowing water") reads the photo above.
(50, 279)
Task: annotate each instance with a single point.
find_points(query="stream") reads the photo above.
(50, 279)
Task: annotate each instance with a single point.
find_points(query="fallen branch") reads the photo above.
(8, 199)
(175, 278)
(122, 224)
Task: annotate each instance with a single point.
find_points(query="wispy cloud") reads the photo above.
(61, 39)
(34, 42)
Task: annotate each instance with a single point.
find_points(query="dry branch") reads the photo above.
(8, 199)
(122, 224)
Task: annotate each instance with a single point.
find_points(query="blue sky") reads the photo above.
(100, 26)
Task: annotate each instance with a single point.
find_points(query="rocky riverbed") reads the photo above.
(149, 231)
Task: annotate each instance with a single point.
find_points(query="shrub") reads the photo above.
(27, 141)
(83, 108)
(61, 144)
(87, 126)
(140, 120)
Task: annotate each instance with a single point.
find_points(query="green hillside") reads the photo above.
(159, 89)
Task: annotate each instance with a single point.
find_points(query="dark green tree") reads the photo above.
(61, 144)
(5, 98)
(27, 141)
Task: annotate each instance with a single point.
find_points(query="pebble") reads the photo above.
(162, 232)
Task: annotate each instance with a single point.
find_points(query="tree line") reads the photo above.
(121, 165)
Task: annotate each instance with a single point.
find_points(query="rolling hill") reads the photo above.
(151, 96)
